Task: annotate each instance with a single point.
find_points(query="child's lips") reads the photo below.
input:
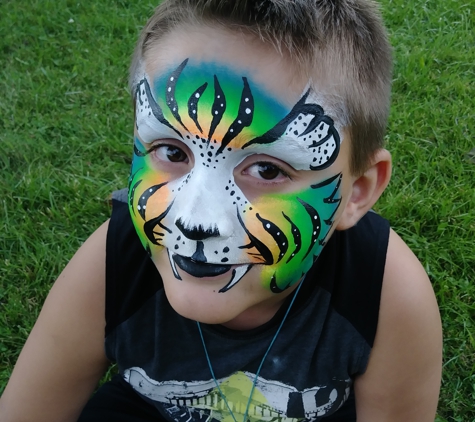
(200, 269)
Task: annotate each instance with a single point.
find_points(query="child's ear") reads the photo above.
(366, 189)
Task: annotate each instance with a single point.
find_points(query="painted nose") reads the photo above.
(197, 232)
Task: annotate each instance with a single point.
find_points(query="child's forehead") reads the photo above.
(216, 86)
(224, 52)
(197, 83)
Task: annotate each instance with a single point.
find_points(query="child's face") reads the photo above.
(238, 173)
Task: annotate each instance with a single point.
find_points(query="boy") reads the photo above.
(258, 141)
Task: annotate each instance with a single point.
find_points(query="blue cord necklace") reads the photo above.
(260, 365)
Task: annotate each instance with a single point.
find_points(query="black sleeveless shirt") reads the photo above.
(308, 374)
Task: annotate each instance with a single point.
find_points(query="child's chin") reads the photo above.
(202, 303)
(206, 313)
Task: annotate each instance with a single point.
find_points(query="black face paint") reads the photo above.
(202, 217)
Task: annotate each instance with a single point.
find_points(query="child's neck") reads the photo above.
(251, 318)
(259, 314)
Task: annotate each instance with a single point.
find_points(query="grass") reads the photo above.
(431, 201)
(65, 136)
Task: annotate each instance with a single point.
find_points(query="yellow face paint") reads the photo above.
(217, 119)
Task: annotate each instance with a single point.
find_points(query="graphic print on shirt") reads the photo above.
(203, 216)
(271, 400)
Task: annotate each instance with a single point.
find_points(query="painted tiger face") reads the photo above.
(206, 140)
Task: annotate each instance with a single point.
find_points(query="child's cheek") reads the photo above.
(294, 228)
(149, 196)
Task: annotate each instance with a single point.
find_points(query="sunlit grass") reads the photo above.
(431, 200)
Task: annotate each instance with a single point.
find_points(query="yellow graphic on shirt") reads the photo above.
(271, 400)
(237, 389)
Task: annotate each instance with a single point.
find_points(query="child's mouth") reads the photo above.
(202, 270)
(199, 269)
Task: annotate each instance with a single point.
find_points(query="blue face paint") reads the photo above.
(218, 118)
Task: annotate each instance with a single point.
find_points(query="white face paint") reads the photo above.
(194, 127)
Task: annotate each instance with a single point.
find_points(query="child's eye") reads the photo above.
(170, 153)
(266, 171)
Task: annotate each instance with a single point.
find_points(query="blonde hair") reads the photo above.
(340, 45)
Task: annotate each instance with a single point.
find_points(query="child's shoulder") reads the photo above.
(405, 363)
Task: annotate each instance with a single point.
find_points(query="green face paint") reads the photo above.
(217, 118)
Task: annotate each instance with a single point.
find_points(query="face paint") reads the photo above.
(202, 217)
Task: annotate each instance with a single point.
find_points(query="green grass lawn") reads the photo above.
(65, 144)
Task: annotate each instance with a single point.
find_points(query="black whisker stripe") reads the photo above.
(156, 110)
(132, 176)
(132, 194)
(279, 237)
(316, 225)
(142, 203)
(164, 227)
(244, 116)
(218, 108)
(326, 182)
(331, 199)
(297, 238)
(256, 243)
(329, 221)
(170, 92)
(279, 129)
(274, 287)
(137, 152)
(193, 105)
(149, 226)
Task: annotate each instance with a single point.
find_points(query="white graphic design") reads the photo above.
(271, 401)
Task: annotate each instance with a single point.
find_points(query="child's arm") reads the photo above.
(63, 358)
(402, 380)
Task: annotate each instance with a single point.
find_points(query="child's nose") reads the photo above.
(204, 211)
(197, 232)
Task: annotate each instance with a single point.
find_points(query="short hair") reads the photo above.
(340, 45)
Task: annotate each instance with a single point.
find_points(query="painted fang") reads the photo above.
(203, 218)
